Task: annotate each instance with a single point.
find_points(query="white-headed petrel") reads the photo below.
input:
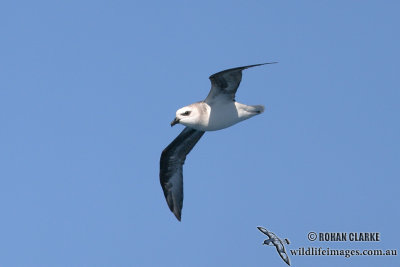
(218, 111)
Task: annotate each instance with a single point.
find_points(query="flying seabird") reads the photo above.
(218, 111)
(274, 240)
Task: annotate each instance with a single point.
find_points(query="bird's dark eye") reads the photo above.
(186, 113)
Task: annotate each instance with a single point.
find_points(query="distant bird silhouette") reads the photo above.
(277, 242)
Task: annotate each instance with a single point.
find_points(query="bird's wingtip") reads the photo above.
(262, 229)
(256, 65)
(177, 214)
(275, 62)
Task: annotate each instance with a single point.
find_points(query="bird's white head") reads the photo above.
(187, 116)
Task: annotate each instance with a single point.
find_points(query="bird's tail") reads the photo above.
(258, 109)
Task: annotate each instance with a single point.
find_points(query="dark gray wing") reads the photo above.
(225, 83)
(280, 248)
(171, 162)
(265, 231)
(282, 252)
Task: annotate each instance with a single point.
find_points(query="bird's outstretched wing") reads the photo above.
(264, 231)
(171, 163)
(283, 255)
(225, 83)
(280, 247)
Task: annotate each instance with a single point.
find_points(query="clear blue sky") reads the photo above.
(87, 92)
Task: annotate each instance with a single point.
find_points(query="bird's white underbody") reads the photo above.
(217, 115)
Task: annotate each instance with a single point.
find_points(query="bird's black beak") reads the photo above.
(175, 121)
